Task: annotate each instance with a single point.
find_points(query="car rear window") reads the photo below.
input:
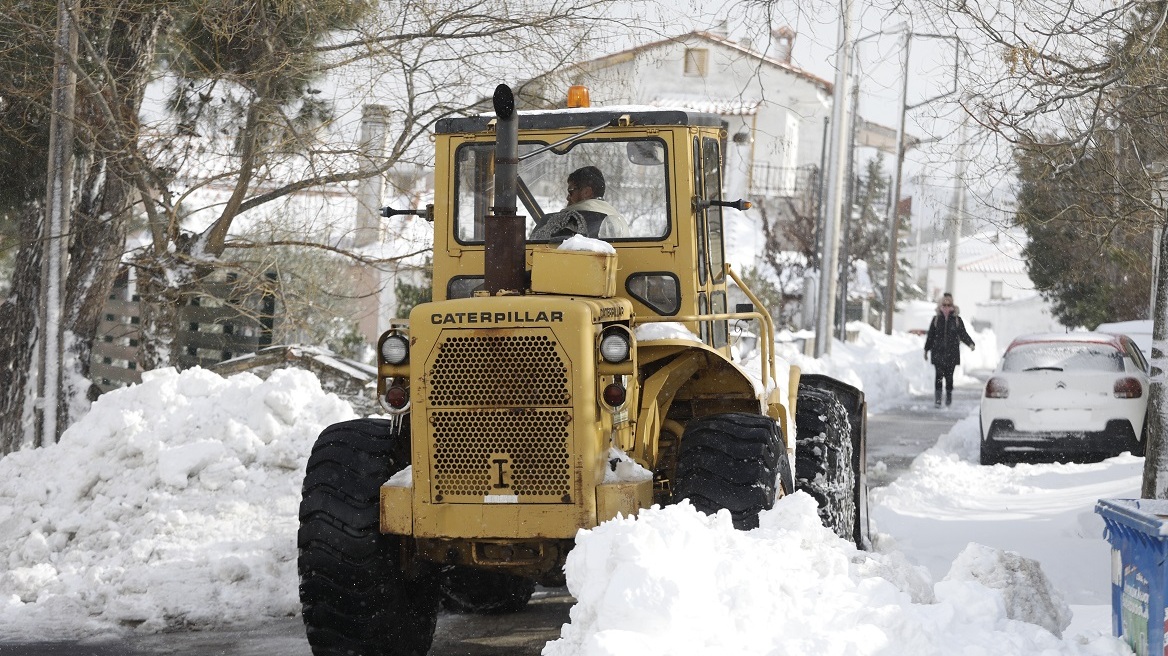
(1063, 357)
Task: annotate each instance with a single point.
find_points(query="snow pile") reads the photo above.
(1045, 512)
(582, 244)
(172, 502)
(675, 581)
(1026, 591)
(656, 331)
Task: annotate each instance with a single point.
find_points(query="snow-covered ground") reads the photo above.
(174, 502)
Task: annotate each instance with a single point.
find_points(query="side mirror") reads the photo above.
(744, 307)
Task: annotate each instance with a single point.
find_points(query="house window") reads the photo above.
(696, 61)
(996, 290)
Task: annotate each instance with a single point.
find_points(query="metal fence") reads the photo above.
(783, 181)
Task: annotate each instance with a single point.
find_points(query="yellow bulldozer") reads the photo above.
(576, 363)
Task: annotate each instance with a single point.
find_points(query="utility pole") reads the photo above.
(849, 205)
(55, 235)
(840, 119)
(898, 166)
(894, 223)
(958, 212)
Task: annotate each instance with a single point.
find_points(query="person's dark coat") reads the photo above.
(945, 337)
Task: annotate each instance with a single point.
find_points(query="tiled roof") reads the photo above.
(703, 103)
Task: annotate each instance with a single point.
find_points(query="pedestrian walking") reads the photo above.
(946, 333)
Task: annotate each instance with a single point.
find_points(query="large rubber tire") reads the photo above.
(730, 461)
(470, 590)
(355, 597)
(823, 459)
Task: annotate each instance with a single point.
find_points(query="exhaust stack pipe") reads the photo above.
(505, 234)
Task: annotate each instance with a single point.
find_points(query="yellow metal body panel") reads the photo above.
(695, 372)
(397, 510)
(573, 273)
(625, 498)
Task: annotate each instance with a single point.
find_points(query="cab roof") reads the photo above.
(583, 118)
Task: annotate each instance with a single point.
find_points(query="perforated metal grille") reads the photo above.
(532, 443)
(494, 371)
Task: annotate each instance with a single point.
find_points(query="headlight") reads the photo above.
(395, 349)
(614, 346)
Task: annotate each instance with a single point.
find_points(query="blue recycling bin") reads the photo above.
(1137, 530)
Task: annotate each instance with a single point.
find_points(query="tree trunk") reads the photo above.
(108, 194)
(18, 334)
(99, 239)
(1155, 482)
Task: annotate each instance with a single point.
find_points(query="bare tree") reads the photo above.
(1071, 76)
(261, 94)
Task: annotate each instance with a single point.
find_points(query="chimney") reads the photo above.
(784, 40)
(374, 119)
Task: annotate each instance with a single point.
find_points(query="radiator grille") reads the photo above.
(498, 371)
(534, 442)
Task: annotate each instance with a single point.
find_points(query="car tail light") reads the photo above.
(614, 395)
(397, 397)
(997, 388)
(1128, 388)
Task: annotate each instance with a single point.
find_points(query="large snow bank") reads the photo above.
(172, 502)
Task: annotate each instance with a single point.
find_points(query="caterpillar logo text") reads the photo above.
(497, 317)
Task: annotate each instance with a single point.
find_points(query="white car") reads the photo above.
(1065, 395)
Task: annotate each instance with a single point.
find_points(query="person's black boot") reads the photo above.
(937, 402)
(948, 397)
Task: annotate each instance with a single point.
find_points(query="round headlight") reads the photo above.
(614, 347)
(395, 349)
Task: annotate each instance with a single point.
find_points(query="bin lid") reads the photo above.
(1150, 516)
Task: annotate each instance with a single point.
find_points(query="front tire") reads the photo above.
(823, 459)
(470, 590)
(356, 598)
(730, 461)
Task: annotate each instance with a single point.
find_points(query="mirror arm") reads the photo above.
(740, 204)
(427, 213)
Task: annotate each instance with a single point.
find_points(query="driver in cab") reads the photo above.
(586, 200)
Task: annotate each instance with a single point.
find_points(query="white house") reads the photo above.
(776, 113)
(991, 285)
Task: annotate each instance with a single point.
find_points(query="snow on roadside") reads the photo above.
(1042, 511)
(171, 502)
(675, 581)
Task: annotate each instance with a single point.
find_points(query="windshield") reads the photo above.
(1063, 357)
(617, 190)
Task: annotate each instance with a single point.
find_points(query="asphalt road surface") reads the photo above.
(898, 434)
(895, 437)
